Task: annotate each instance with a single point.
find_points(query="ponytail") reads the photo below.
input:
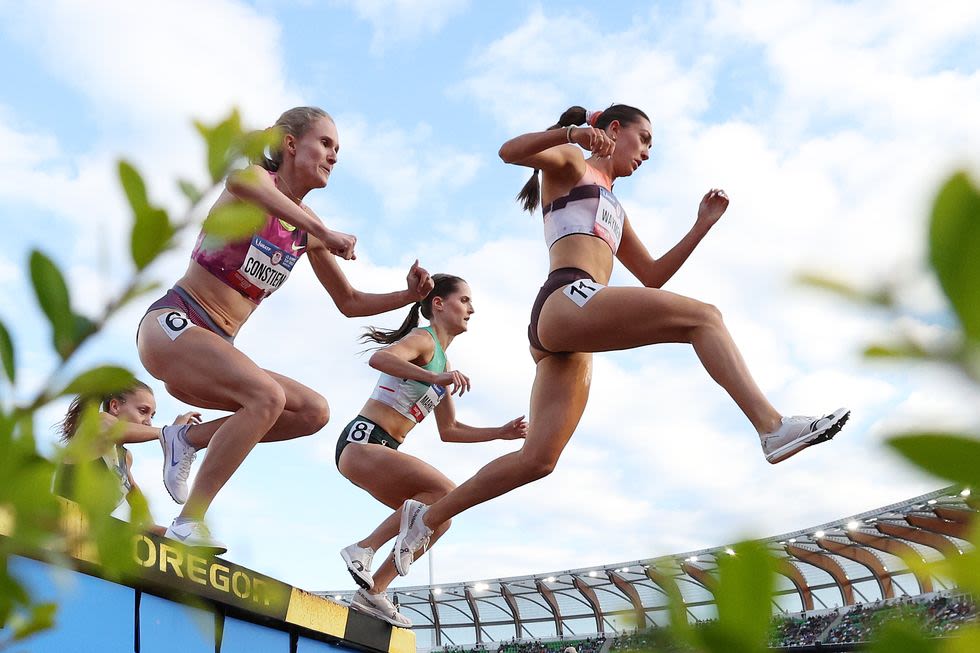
(445, 285)
(530, 195)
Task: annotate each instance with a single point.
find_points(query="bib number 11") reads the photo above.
(582, 291)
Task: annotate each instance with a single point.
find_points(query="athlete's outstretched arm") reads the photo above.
(253, 184)
(451, 430)
(654, 273)
(136, 433)
(354, 303)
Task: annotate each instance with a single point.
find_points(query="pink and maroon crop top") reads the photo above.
(589, 208)
(257, 266)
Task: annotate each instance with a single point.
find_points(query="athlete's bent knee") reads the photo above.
(315, 413)
(266, 400)
(537, 467)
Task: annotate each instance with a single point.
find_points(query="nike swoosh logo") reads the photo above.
(296, 249)
(173, 454)
(179, 536)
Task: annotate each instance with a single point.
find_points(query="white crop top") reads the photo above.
(413, 399)
(589, 208)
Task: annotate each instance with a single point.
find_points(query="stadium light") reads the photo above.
(336, 597)
(819, 534)
(730, 551)
(437, 590)
(692, 559)
(481, 587)
(852, 525)
(549, 579)
(792, 540)
(592, 574)
(965, 492)
(932, 502)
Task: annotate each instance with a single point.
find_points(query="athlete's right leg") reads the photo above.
(305, 412)
(405, 477)
(558, 398)
(618, 318)
(204, 365)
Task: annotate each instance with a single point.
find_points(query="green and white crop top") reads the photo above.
(413, 399)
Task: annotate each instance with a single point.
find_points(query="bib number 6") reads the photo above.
(174, 323)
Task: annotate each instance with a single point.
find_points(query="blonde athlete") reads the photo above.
(414, 381)
(186, 338)
(576, 313)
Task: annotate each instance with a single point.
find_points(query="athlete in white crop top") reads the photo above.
(576, 314)
(415, 379)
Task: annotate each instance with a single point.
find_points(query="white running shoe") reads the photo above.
(358, 561)
(797, 433)
(178, 456)
(413, 535)
(195, 534)
(378, 605)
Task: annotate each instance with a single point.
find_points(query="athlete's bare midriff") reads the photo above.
(226, 306)
(584, 252)
(396, 424)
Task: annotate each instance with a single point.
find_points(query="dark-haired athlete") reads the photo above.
(414, 381)
(576, 313)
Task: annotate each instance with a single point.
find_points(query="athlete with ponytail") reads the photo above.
(186, 338)
(415, 380)
(576, 313)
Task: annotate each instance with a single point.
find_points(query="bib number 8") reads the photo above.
(360, 432)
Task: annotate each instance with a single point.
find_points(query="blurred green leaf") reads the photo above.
(152, 230)
(967, 640)
(52, 295)
(190, 191)
(906, 349)
(100, 381)
(234, 220)
(881, 297)
(152, 234)
(7, 353)
(743, 596)
(220, 140)
(255, 143)
(40, 617)
(133, 186)
(949, 456)
(954, 239)
(900, 636)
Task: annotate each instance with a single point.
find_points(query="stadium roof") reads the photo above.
(856, 559)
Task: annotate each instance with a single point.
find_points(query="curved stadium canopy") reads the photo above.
(852, 560)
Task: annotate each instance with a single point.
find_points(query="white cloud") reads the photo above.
(404, 168)
(399, 21)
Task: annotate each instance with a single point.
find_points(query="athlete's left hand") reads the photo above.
(515, 429)
(193, 417)
(420, 284)
(713, 206)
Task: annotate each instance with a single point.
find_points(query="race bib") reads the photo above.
(427, 402)
(265, 268)
(582, 291)
(174, 323)
(360, 432)
(609, 219)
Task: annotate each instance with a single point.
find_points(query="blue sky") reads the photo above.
(828, 124)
